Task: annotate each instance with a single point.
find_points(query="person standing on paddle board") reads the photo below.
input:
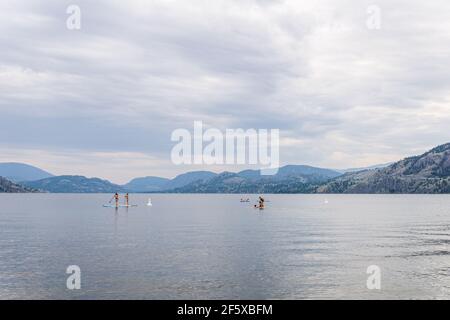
(116, 197)
(261, 202)
(126, 199)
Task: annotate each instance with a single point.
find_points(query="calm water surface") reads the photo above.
(214, 247)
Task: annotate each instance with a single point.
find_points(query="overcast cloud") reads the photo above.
(103, 100)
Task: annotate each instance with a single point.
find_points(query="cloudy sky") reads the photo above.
(103, 100)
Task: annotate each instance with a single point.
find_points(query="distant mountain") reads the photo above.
(147, 184)
(291, 171)
(229, 182)
(18, 172)
(376, 166)
(11, 187)
(157, 184)
(289, 179)
(74, 184)
(189, 177)
(427, 173)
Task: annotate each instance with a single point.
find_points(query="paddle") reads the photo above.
(111, 199)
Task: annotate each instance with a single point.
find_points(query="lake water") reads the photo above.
(214, 247)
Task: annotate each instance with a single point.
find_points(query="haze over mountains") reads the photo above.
(427, 173)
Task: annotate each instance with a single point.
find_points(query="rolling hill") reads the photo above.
(147, 184)
(157, 184)
(74, 184)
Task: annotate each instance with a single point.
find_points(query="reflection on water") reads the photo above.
(215, 247)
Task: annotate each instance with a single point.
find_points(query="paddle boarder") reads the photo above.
(116, 197)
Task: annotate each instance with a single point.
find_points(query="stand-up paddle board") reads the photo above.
(119, 206)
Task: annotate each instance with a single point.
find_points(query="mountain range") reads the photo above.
(426, 173)
(289, 179)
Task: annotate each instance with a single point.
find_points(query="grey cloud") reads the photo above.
(138, 70)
